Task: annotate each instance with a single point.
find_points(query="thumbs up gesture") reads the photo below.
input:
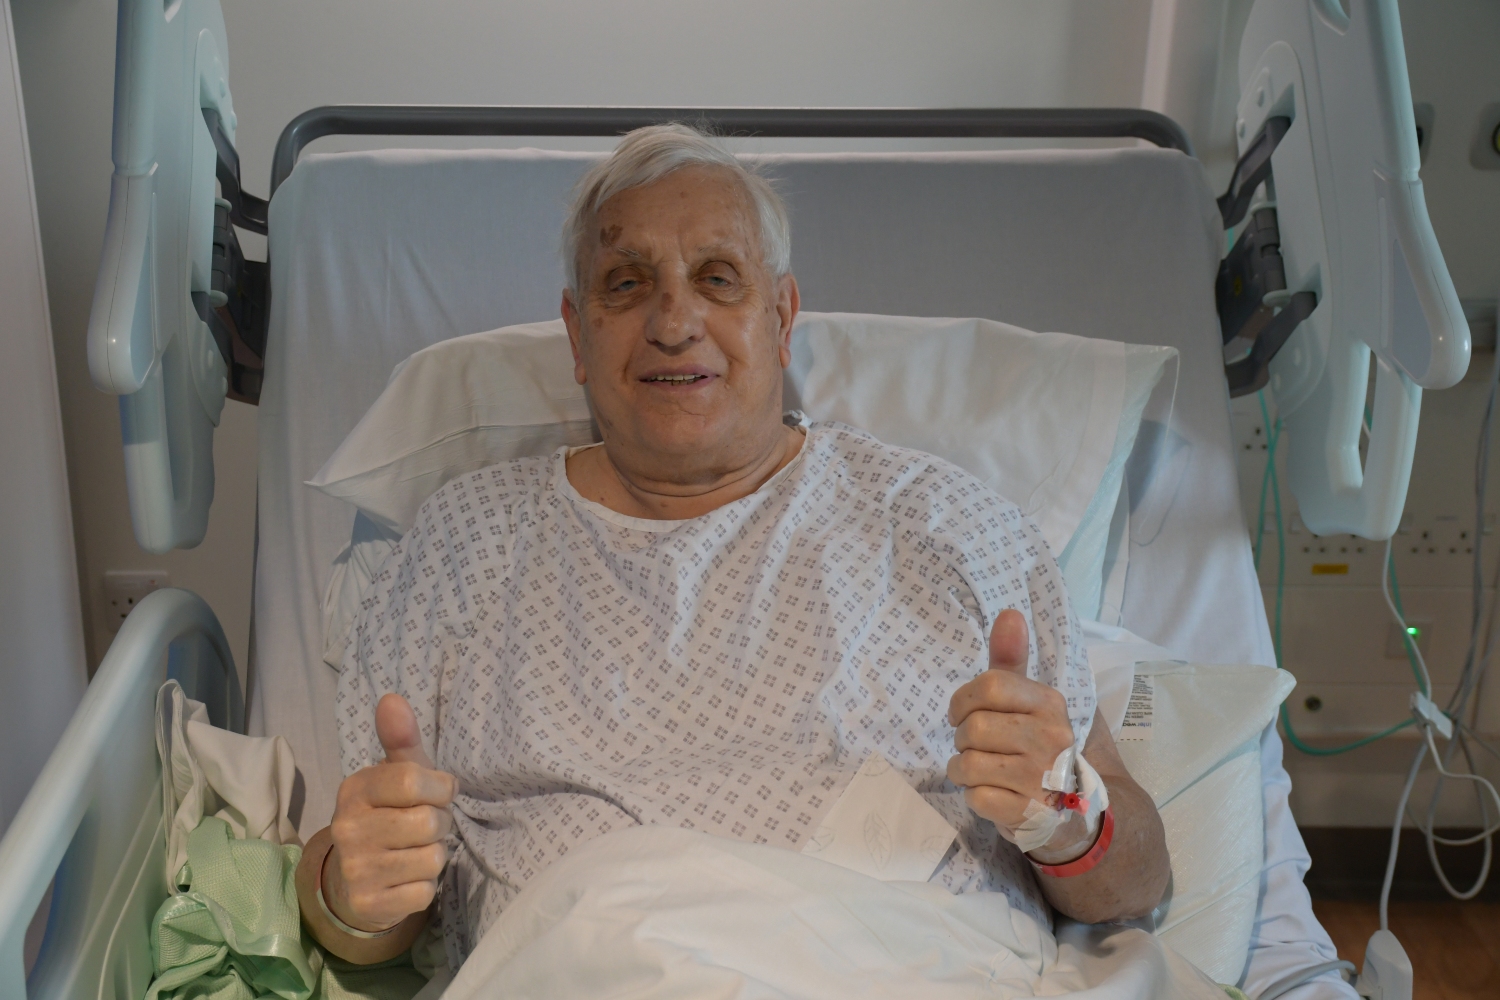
(1009, 730)
(388, 828)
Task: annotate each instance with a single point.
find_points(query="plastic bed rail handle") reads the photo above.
(1354, 229)
(146, 342)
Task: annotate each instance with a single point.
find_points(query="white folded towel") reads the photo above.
(247, 781)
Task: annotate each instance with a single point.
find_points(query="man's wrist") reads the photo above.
(1072, 841)
(359, 950)
(339, 923)
(1090, 858)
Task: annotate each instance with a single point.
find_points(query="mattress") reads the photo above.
(377, 254)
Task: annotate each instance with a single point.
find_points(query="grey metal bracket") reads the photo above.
(245, 209)
(1252, 170)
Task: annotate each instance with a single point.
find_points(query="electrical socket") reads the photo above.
(124, 589)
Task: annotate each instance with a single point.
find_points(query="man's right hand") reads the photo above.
(388, 828)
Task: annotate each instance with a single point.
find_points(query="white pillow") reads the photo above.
(1082, 558)
(459, 405)
(454, 407)
(1201, 766)
(1046, 419)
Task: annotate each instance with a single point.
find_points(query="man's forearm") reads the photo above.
(1131, 878)
(359, 950)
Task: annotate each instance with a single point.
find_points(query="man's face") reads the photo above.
(679, 332)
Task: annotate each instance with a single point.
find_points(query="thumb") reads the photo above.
(1009, 649)
(396, 726)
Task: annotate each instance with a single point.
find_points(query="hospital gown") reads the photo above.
(581, 671)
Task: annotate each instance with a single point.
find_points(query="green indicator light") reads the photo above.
(1413, 630)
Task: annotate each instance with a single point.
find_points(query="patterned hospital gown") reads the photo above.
(581, 671)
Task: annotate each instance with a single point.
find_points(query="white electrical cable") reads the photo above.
(1475, 666)
(1488, 831)
(1471, 676)
(1432, 838)
(1390, 861)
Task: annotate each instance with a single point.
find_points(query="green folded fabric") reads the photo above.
(236, 934)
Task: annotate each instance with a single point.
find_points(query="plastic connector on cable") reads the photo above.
(1427, 713)
(1387, 974)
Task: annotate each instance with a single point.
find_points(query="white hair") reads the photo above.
(648, 154)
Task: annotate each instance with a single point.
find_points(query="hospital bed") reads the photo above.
(374, 255)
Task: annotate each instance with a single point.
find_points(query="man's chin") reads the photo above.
(671, 429)
(688, 445)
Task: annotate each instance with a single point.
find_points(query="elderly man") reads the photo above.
(710, 619)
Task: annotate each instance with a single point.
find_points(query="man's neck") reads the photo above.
(635, 494)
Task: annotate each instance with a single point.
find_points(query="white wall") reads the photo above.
(1451, 48)
(1189, 74)
(41, 638)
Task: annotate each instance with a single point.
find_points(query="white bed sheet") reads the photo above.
(375, 255)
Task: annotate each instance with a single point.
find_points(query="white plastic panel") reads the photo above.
(1354, 229)
(145, 340)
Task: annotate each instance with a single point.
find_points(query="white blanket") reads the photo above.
(666, 913)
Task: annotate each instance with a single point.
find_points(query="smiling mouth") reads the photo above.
(675, 379)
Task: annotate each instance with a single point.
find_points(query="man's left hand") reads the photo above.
(1010, 730)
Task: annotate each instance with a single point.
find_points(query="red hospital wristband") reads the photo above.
(1089, 860)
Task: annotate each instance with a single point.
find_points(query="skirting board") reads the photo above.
(1348, 863)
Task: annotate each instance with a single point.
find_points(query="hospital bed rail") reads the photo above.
(780, 123)
(82, 822)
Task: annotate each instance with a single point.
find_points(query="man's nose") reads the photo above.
(677, 316)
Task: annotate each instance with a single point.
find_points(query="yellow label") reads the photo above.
(1330, 569)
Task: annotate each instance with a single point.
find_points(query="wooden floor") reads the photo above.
(1454, 947)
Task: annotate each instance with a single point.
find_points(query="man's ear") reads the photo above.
(573, 320)
(788, 302)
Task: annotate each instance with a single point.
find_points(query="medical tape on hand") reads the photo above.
(1076, 787)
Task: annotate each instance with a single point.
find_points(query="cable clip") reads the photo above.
(1428, 714)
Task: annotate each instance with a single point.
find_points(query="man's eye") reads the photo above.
(626, 285)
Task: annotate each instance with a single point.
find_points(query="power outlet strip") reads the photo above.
(124, 589)
(1433, 547)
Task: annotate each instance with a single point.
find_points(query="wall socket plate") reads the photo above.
(1395, 649)
(124, 589)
